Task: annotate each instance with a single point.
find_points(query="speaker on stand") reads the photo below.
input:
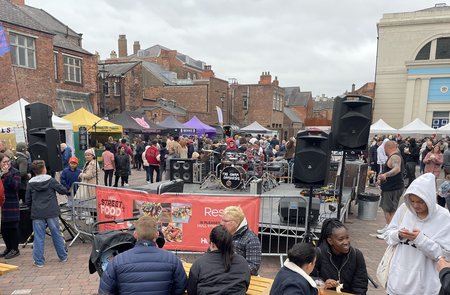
(44, 144)
(352, 117)
(311, 163)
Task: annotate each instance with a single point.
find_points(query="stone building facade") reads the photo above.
(413, 67)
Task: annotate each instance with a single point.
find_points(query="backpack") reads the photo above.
(15, 162)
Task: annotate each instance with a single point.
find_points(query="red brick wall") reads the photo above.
(33, 84)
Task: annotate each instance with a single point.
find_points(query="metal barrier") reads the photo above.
(282, 221)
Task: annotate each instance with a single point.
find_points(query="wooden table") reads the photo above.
(4, 268)
(332, 292)
(258, 285)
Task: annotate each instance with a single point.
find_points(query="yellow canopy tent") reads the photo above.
(98, 128)
(83, 118)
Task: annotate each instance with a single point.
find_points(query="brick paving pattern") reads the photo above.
(73, 276)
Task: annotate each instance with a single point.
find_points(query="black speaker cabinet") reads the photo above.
(44, 144)
(25, 224)
(292, 210)
(182, 169)
(38, 115)
(352, 116)
(312, 158)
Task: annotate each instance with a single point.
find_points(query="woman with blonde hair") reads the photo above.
(183, 149)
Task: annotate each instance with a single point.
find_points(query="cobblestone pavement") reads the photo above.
(73, 276)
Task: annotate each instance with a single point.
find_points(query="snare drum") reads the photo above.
(232, 177)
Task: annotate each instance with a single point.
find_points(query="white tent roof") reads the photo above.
(255, 127)
(381, 127)
(444, 129)
(16, 112)
(417, 127)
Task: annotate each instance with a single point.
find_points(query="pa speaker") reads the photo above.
(352, 117)
(312, 157)
(182, 169)
(44, 144)
(38, 115)
(292, 210)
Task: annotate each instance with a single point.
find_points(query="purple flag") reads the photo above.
(4, 45)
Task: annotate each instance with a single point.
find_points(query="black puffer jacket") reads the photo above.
(349, 269)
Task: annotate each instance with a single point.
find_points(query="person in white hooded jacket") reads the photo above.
(420, 229)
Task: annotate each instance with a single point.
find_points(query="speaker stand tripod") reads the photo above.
(308, 235)
(211, 177)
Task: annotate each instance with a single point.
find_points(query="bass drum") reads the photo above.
(232, 177)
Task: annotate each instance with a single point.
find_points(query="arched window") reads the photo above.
(424, 53)
(442, 50)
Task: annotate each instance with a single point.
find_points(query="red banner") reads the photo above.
(186, 221)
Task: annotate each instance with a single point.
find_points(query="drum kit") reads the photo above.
(237, 170)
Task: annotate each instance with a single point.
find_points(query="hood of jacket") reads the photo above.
(40, 182)
(425, 188)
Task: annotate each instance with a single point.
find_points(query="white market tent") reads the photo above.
(15, 112)
(417, 127)
(255, 127)
(381, 127)
(444, 129)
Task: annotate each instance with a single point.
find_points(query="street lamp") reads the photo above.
(103, 74)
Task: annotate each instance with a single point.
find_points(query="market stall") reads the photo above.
(91, 131)
(255, 128)
(174, 127)
(15, 113)
(200, 127)
(136, 123)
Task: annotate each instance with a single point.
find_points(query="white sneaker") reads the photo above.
(126, 184)
(381, 237)
(383, 230)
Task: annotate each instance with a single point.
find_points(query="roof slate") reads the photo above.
(117, 69)
(12, 14)
(155, 51)
(295, 97)
(292, 115)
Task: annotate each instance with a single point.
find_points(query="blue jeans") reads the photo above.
(39, 226)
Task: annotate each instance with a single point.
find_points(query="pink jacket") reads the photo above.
(433, 165)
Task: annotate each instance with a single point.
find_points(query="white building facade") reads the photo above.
(413, 67)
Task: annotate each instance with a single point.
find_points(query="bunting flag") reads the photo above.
(219, 115)
(4, 45)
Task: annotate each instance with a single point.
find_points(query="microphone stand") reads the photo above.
(94, 126)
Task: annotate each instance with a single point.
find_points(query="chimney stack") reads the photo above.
(136, 47)
(18, 2)
(123, 52)
(113, 54)
(276, 82)
(353, 87)
(265, 78)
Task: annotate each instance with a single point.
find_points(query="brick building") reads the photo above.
(171, 83)
(262, 102)
(47, 62)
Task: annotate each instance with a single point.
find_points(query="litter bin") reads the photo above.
(368, 206)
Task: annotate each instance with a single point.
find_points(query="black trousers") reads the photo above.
(108, 177)
(10, 234)
(124, 180)
(410, 171)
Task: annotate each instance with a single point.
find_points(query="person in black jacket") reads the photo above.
(410, 152)
(293, 278)
(122, 162)
(338, 262)
(443, 267)
(220, 270)
(41, 198)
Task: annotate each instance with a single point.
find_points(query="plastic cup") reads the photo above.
(320, 286)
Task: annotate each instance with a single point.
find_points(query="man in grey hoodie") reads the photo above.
(41, 198)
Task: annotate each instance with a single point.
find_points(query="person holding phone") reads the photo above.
(420, 230)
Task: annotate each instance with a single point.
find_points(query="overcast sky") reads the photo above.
(321, 46)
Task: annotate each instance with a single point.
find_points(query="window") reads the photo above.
(106, 88)
(245, 103)
(23, 51)
(68, 105)
(117, 88)
(189, 76)
(424, 53)
(55, 61)
(72, 69)
(443, 48)
(274, 102)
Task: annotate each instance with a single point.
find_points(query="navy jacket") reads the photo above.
(10, 209)
(145, 269)
(69, 176)
(288, 282)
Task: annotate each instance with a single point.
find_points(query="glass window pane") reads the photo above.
(21, 40)
(22, 56)
(424, 53)
(14, 55)
(77, 75)
(66, 72)
(31, 58)
(13, 38)
(443, 48)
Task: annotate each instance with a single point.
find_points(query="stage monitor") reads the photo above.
(169, 186)
(292, 210)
